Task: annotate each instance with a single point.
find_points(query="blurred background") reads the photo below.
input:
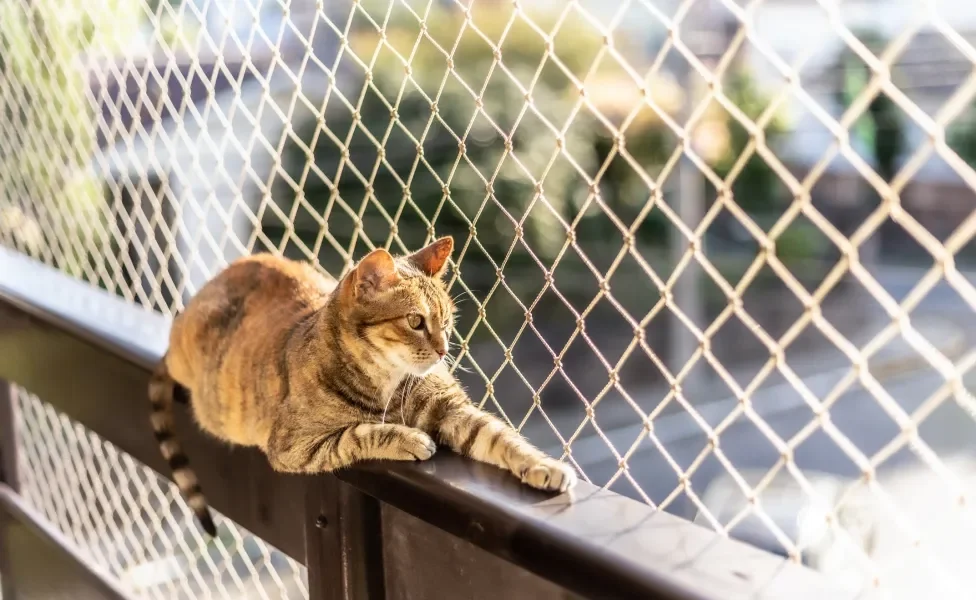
(708, 251)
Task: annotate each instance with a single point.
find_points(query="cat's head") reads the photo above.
(399, 308)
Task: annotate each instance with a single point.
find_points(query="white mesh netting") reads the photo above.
(716, 254)
(133, 523)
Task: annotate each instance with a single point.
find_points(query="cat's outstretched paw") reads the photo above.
(550, 475)
(415, 445)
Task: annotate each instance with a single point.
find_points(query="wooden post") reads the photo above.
(343, 542)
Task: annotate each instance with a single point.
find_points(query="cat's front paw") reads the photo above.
(549, 475)
(416, 445)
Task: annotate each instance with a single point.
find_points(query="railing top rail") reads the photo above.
(88, 352)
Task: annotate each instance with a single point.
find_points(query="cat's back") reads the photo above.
(267, 276)
(262, 282)
(254, 292)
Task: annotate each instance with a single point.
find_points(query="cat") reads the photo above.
(320, 374)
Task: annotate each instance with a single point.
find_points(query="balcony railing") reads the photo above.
(82, 510)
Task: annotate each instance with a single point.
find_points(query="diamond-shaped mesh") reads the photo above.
(671, 220)
(127, 519)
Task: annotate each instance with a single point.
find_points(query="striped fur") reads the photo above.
(162, 390)
(321, 374)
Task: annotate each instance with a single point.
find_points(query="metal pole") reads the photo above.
(688, 200)
(690, 204)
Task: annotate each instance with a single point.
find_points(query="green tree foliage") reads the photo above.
(471, 165)
(48, 133)
(880, 128)
(962, 136)
(479, 164)
(755, 186)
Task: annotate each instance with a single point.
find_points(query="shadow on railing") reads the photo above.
(445, 528)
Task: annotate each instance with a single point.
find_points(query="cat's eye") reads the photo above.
(415, 321)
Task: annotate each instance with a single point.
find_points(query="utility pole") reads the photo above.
(688, 199)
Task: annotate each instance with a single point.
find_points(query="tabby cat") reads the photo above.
(320, 374)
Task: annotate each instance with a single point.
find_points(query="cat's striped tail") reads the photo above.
(161, 391)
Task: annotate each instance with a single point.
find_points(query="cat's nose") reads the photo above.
(440, 352)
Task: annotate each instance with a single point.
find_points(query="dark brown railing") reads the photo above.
(446, 528)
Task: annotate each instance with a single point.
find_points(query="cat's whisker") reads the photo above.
(454, 364)
(386, 407)
(403, 401)
(403, 398)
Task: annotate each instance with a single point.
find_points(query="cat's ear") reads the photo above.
(432, 259)
(374, 273)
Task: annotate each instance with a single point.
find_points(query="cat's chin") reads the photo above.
(423, 371)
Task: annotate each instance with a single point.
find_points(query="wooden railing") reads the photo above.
(445, 528)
